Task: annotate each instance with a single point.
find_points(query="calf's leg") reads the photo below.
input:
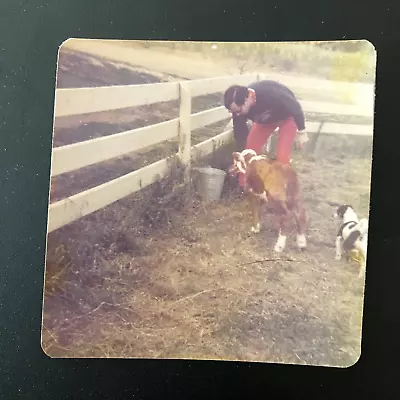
(255, 209)
(285, 218)
(301, 220)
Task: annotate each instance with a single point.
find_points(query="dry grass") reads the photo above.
(160, 274)
(178, 279)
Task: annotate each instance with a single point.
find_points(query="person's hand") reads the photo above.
(233, 170)
(301, 139)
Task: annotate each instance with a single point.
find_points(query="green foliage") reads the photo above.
(350, 66)
(340, 60)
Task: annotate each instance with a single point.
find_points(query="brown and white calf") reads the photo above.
(270, 181)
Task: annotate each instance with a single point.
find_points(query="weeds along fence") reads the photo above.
(82, 154)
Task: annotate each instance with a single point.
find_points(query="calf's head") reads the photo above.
(241, 160)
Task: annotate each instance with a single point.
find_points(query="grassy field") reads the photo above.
(330, 61)
(160, 274)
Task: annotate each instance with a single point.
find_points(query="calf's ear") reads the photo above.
(236, 155)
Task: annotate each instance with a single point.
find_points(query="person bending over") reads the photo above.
(269, 105)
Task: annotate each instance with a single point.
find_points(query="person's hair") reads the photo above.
(235, 94)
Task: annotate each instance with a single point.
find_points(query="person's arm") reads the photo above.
(298, 117)
(294, 107)
(240, 130)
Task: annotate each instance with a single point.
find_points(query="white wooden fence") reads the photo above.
(86, 100)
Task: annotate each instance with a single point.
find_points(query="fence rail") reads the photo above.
(89, 100)
(78, 155)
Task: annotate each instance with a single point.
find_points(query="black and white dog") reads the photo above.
(352, 235)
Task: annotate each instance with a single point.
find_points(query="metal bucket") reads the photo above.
(209, 183)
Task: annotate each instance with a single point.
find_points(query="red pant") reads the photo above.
(259, 135)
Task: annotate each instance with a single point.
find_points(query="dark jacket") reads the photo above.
(274, 102)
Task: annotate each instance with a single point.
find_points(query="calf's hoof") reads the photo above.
(301, 242)
(255, 229)
(280, 244)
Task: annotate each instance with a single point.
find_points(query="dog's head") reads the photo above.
(241, 161)
(342, 210)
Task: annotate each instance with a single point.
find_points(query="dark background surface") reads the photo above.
(30, 33)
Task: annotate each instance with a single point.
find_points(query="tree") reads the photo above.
(244, 56)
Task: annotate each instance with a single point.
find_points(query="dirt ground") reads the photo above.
(161, 274)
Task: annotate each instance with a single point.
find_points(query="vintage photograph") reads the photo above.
(209, 201)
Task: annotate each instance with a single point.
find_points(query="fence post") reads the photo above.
(185, 114)
(313, 143)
